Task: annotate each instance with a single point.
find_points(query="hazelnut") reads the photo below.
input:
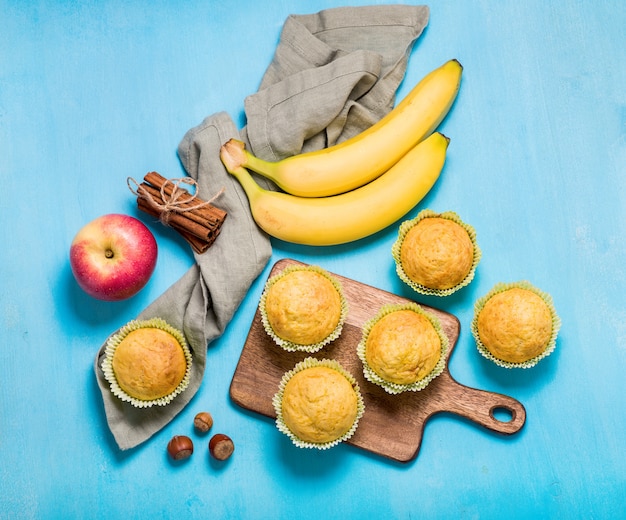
(221, 446)
(203, 422)
(180, 447)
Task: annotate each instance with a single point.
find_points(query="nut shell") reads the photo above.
(221, 446)
(180, 447)
(203, 422)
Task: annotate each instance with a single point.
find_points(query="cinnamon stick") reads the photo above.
(179, 221)
(193, 216)
(197, 221)
(209, 211)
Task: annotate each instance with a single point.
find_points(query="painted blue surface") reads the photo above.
(94, 92)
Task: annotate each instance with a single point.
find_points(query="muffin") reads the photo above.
(147, 363)
(515, 325)
(318, 404)
(436, 253)
(403, 348)
(303, 308)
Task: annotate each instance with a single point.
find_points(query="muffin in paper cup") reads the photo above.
(515, 325)
(303, 308)
(403, 348)
(318, 404)
(147, 363)
(436, 253)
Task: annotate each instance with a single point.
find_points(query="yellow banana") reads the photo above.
(367, 155)
(322, 221)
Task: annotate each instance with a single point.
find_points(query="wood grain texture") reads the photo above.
(392, 425)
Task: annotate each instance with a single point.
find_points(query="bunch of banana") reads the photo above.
(358, 187)
(364, 157)
(322, 221)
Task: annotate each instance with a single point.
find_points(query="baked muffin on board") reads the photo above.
(403, 348)
(436, 253)
(303, 308)
(515, 325)
(147, 363)
(318, 404)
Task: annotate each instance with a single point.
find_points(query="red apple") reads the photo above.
(113, 257)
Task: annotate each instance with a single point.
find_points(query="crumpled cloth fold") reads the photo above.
(334, 73)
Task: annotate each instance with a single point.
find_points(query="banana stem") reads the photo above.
(265, 168)
(251, 188)
(239, 156)
(230, 154)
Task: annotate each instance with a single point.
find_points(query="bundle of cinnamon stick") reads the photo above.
(198, 221)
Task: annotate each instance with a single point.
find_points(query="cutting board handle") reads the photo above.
(497, 412)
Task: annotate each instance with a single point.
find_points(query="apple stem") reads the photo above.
(108, 253)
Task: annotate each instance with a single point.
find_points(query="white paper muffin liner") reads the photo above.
(501, 287)
(278, 398)
(389, 386)
(290, 346)
(116, 339)
(406, 226)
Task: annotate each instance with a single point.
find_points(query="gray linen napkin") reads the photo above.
(334, 73)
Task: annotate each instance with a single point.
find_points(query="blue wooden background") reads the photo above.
(93, 92)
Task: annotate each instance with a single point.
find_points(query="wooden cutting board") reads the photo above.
(392, 425)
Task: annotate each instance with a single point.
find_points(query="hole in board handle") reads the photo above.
(502, 414)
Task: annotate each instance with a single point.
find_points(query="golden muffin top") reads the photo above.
(319, 404)
(403, 347)
(149, 363)
(303, 307)
(437, 253)
(515, 325)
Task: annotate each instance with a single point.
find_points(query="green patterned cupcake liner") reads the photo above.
(501, 287)
(278, 399)
(116, 339)
(407, 225)
(389, 386)
(290, 346)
